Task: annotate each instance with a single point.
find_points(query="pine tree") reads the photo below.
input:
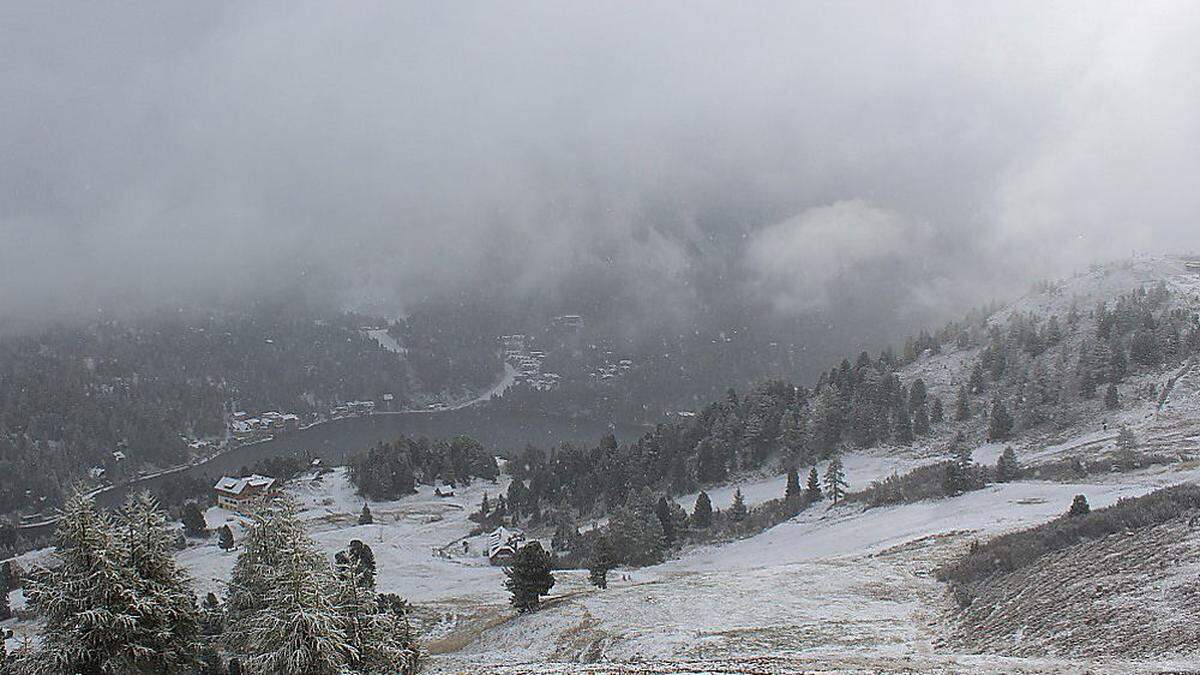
(365, 517)
(380, 640)
(792, 491)
(962, 405)
(1000, 423)
(5, 609)
(636, 532)
(663, 511)
(1079, 507)
(812, 490)
(603, 560)
(193, 521)
(1126, 440)
(167, 614)
(1144, 347)
(1111, 399)
(936, 413)
(484, 506)
(737, 511)
(529, 577)
(1007, 467)
(904, 428)
(959, 475)
(103, 606)
(976, 383)
(283, 595)
(920, 421)
(226, 538)
(702, 511)
(835, 480)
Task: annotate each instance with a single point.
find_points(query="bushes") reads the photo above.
(923, 482)
(1013, 551)
(1073, 468)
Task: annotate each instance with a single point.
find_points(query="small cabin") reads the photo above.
(503, 545)
(236, 494)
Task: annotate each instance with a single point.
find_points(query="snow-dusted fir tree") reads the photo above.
(737, 511)
(382, 641)
(168, 622)
(282, 612)
(604, 558)
(835, 480)
(812, 489)
(529, 577)
(1007, 466)
(702, 511)
(106, 612)
(791, 491)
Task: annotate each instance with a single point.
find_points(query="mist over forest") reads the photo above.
(853, 171)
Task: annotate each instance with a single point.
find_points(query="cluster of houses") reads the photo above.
(528, 363)
(353, 409)
(610, 370)
(243, 427)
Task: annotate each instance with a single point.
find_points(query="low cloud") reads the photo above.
(661, 157)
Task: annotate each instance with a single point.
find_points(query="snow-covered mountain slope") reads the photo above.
(841, 589)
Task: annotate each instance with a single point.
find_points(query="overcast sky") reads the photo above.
(159, 150)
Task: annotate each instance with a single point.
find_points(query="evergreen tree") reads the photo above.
(710, 467)
(1111, 400)
(737, 511)
(1007, 467)
(365, 517)
(226, 538)
(663, 511)
(1144, 347)
(193, 521)
(904, 427)
(702, 511)
(812, 490)
(835, 480)
(792, 491)
(106, 604)
(603, 560)
(920, 421)
(635, 531)
(936, 414)
(976, 382)
(166, 611)
(379, 639)
(1087, 385)
(962, 405)
(1000, 423)
(1079, 506)
(484, 506)
(8, 582)
(529, 577)
(283, 600)
(1126, 439)
(5, 609)
(959, 476)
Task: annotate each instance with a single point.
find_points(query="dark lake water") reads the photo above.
(332, 442)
